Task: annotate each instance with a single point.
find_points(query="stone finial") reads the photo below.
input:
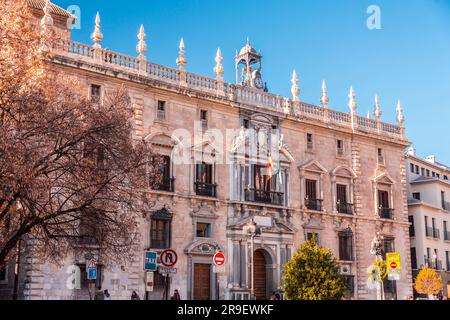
(141, 47)
(324, 100)
(368, 115)
(400, 115)
(352, 102)
(47, 19)
(377, 111)
(97, 35)
(218, 69)
(181, 60)
(295, 89)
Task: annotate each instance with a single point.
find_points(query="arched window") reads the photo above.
(161, 229)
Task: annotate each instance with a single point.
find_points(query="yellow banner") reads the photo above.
(393, 262)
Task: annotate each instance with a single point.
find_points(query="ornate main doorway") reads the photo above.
(260, 274)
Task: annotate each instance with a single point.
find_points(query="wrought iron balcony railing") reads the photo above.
(263, 196)
(446, 235)
(345, 208)
(314, 204)
(167, 185)
(386, 213)
(446, 205)
(436, 234)
(434, 264)
(205, 189)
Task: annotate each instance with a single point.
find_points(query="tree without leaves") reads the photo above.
(313, 274)
(69, 167)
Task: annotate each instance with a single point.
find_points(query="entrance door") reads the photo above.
(202, 281)
(260, 275)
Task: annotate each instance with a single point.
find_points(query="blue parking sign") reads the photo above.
(92, 274)
(150, 261)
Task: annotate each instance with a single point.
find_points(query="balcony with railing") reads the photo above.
(345, 208)
(429, 232)
(264, 196)
(446, 205)
(205, 189)
(436, 234)
(433, 263)
(314, 204)
(167, 185)
(386, 213)
(446, 235)
(68, 51)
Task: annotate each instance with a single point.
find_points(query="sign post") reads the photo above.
(91, 269)
(150, 261)
(168, 259)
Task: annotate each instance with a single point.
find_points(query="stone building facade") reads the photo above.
(429, 215)
(337, 175)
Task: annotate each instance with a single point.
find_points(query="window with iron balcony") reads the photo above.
(384, 209)
(311, 201)
(342, 205)
(167, 181)
(265, 187)
(204, 180)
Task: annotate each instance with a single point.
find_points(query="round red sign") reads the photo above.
(168, 258)
(393, 265)
(219, 259)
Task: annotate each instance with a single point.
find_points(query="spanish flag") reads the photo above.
(270, 168)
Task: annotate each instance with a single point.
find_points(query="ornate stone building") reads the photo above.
(338, 175)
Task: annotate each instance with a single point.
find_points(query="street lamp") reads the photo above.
(250, 230)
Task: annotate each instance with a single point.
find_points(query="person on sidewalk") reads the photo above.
(135, 296)
(99, 295)
(107, 296)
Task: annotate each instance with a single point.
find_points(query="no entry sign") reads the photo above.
(219, 259)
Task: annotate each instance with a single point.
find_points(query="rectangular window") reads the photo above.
(309, 141)
(416, 195)
(161, 111)
(433, 174)
(204, 180)
(166, 181)
(412, 168)
(345, 246)
(160, 234)
(203, 230)
(438, 175)
(428, 173)
(428, 230)
(340, 148)
(204, 118)
(311, 189)
(412, 230)
(380, 156)
(443, 202)
(96, 92)
(417, 169)
(246, 124)
(310, 235)
(446, 233)
(413, 259)
(445, 178)
(423, 171)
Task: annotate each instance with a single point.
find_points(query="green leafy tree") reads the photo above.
(313, 274)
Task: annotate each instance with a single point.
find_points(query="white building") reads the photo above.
(429, 213)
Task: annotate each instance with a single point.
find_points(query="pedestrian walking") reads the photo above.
(107, 296)
(99, 295)
(273, 296)
(135, 296)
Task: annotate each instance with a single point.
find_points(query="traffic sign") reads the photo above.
(168, 258)
(217, 269)
(91, 269)
(91, 264)
(149, 281)
(219, 259)
(92, 274)
(150, 261)
(163, 270)
(394, 267)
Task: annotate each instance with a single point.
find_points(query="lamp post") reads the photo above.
(250, 230)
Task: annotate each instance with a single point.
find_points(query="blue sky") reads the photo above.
(409, 58)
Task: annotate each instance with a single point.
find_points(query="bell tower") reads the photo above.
(248, 68)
